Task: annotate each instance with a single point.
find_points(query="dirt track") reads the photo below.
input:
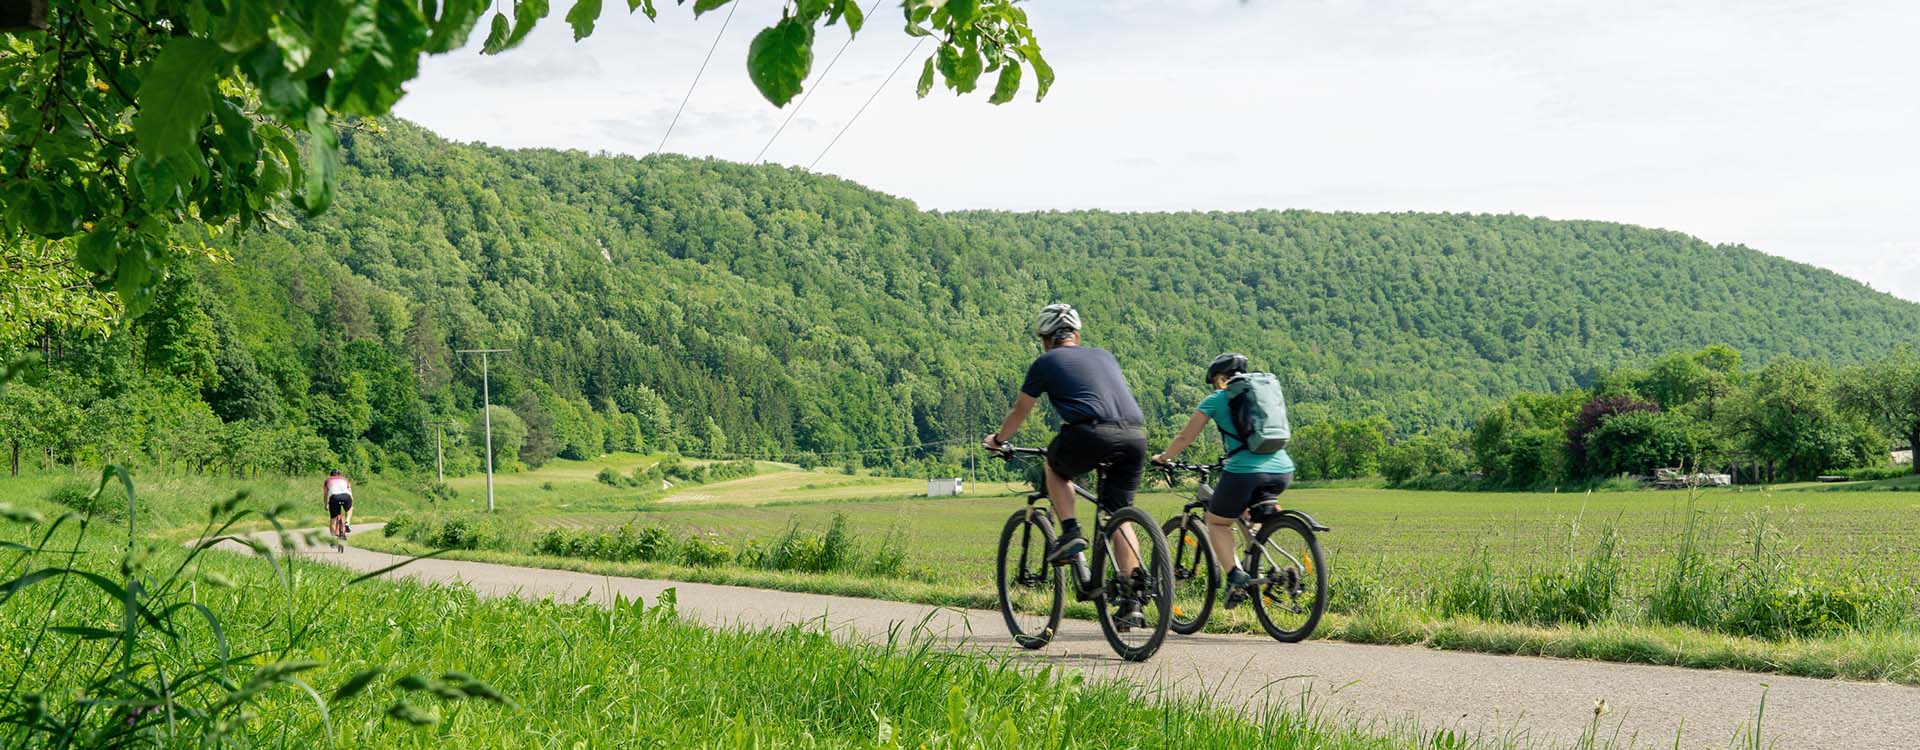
(1527, 699)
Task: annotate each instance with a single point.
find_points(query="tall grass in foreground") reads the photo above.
(128, 655)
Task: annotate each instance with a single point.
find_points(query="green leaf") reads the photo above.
(176, 96)
(1042, 72)
(326, 27)
(98, 251)
(582, 17)
(323, 147)
(966, 71)
(855, 17)
(926, 79)
(779, 59)
(1007, 85)
(702, 6)
(962, 12)
(383, 53)
(916, 30)
(244, 24)
(455, 23)
(497, 36)
(526, 13)
(645, 6)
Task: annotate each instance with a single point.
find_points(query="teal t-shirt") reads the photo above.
(1242, 462)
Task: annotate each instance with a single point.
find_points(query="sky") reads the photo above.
(1792, 127)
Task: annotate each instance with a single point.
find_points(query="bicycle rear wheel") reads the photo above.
(1032, 593)
(1149, 584)
(1288, 556)
(1196, 579)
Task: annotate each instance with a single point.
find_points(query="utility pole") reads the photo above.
(439, 455)
(486, 413)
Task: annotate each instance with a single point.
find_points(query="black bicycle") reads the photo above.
(1130, 561)
(1283, 556)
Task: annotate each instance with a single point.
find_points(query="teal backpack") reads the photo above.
(1259, 412)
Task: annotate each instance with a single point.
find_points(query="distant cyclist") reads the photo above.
(1102, 431)
(1250, 481)
(339, 500)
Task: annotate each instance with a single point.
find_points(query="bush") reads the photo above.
(460, 533)
(399, 526)
(610, 478)
(704, 551)
(438, 492)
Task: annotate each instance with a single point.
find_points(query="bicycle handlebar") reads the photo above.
(1172, 466)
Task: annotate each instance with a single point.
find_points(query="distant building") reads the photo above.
(1903, 458)
(945, 487)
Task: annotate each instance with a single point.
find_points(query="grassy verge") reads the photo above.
(229, 650)
(1889, 651)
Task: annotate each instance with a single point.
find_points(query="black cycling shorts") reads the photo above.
(1237, 492)
(1117, 452)
(339, 504)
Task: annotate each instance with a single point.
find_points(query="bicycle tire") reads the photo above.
(1287, 582)
(1033, 597)
(1154, 589)
(1196, 577)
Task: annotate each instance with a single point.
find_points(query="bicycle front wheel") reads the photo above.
(1032, 593)
(1196, 579)
(1135, 602)
(1293, 598)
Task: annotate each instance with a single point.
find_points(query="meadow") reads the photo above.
(118, 639)
(1816, 580)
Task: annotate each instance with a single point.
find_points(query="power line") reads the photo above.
(731, 7)
(803, 99)
(863, 107)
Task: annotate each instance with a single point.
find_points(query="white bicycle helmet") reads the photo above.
(1055, 318)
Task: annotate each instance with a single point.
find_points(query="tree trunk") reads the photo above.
(1913, 448)
(16, 457)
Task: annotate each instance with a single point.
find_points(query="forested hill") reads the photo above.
(772, 309)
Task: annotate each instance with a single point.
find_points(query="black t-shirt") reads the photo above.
(1084, 384)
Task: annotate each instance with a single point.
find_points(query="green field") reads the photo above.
(1817, 580)
(235, 651)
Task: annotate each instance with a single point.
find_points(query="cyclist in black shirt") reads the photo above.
(1102, 430)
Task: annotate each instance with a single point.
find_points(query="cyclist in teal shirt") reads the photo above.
(1250, 481)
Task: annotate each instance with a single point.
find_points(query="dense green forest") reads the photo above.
(721, 309)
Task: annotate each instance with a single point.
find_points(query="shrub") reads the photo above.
(438, 492)
(704, 551)
(399, 526)
(458, 533)
(610, 478)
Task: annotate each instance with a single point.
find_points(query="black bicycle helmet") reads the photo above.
(1228, 364)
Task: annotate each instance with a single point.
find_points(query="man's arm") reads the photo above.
(1186, 436)
(1017, 416)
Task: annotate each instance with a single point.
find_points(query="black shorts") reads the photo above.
(1117, 452)
(1237, 492)
(339, 504)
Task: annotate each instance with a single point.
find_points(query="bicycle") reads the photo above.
(1033, 593)
(1283, 580)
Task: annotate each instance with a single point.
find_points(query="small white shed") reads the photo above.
(945, 487)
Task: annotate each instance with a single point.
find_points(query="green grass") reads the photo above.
(292, 638)
(1395, 555)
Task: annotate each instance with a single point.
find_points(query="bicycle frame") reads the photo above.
(1086, 587)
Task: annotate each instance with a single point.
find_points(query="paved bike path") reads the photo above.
(1512, 697)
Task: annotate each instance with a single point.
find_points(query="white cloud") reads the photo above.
(1785, 126)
